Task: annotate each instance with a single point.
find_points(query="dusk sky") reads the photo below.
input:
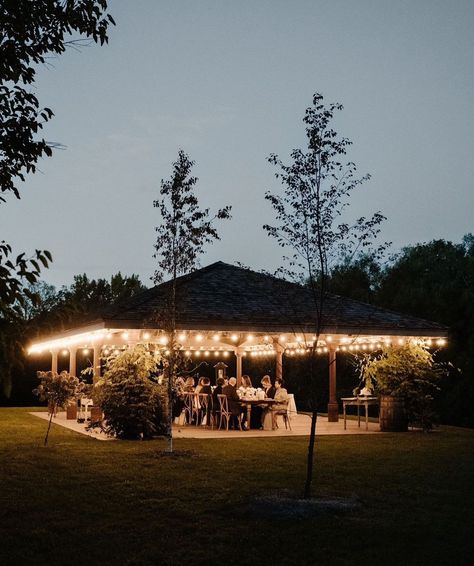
(228, 82)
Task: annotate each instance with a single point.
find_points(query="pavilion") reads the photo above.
(226, 310)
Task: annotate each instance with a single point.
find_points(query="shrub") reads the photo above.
(129, 396)
(410, 372)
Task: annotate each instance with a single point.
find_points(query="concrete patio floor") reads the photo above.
(300, 425)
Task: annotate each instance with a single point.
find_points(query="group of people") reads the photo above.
(228, 387)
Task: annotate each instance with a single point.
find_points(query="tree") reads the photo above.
(435, 280)
(31, 31)
(129, 396)
(58, 389)
(317, 186)
(358, 279)
(89, 296)
(184, 231)
(16, 277)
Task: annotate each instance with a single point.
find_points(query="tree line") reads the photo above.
(47, 309)
(434, 281)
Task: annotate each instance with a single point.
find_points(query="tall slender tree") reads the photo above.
(30, 32)
(317, 186)
(182, 235)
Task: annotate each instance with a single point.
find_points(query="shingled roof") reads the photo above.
(226, 297)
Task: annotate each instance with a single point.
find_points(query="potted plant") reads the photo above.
(405, 378)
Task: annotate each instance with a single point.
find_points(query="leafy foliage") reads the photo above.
(358, 279)
(317, 186)
(32, 31)
(129, 397)
(409, 372)
(185, 229)
(16, 277)
(58, 389)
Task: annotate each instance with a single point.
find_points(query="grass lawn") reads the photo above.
(82, 501)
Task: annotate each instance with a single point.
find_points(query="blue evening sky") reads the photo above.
(228, 81)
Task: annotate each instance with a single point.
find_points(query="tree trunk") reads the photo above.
(49, 426)
(309, 465)
(169, 416)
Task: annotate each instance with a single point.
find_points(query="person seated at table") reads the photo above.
(233, 402)
(268, 387)
(198, 387)
(281, 398)
(246, 382)
(189, 385)
(205, 386)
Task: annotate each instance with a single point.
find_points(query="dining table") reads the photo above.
(250, 402)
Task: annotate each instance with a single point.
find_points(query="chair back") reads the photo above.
(223, 404)
(204, 401)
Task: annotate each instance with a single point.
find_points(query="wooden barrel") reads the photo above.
(96, 415)
(393, 417)
(71, 411)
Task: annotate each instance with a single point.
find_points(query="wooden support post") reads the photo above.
(238, 369)
(96, 363)
(333, 406)
(279, 349)
(54, 361)
(72, 361)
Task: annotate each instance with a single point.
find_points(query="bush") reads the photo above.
(129, 396)
(410, 372)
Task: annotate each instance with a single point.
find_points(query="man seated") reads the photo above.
(233, 401)
(281, 398)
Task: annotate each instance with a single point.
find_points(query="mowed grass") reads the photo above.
(82, 501)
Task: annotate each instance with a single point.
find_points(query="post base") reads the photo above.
(333, 412)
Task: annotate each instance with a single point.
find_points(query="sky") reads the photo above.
(228, 82)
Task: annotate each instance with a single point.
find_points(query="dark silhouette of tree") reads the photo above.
(182, 235)
(435, 280)
(358, 279)
(317, 186)
(31, 31)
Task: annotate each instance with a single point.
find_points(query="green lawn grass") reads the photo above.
(82, 501)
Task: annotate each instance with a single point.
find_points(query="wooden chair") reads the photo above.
(204, 409)
(226, 414)
(188, 407)
(285, 413)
